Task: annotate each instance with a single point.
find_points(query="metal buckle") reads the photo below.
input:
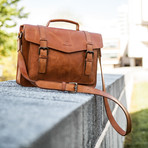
(75, 87)
(92, 52)
(44, 48)
(20, 35)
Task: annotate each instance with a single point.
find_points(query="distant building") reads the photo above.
(130, 47)
(111, 52)
(136, 53)
(115, 42)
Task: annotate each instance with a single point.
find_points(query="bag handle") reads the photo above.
(74, 87)
(64, 20)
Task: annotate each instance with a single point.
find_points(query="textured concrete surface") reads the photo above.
(39, 118)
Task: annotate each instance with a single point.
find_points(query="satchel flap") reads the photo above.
(62, 39)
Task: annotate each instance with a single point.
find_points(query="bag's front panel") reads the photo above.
(65, 67)
(32, 63)
(61, 67)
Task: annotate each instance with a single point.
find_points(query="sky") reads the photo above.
(91, 14)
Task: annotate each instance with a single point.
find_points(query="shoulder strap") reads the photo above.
(82, 89)
(77, 88)
(108, 110)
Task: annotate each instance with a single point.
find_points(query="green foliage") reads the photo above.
(8, 65)
(139, 108)
(8, 43)
(9, 13)
(139, 97)
(139, 136)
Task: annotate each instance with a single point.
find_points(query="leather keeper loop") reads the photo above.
(63, 86)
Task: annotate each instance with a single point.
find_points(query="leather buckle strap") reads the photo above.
(89, 46)
(88, 58)
(43, 55)
(89, 55)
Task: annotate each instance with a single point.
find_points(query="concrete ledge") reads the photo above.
(39, 118)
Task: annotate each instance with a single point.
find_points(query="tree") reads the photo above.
(9, 13)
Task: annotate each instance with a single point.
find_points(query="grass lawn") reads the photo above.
(138, 138)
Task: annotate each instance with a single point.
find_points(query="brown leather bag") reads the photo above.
(62, 59)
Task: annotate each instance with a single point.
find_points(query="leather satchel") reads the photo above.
(62, 59)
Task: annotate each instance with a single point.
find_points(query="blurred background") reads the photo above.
(122, 23)
(124, 28)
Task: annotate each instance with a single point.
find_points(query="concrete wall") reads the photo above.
(38, 118)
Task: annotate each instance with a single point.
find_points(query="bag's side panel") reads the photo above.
(24, 49)
(18, 75)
